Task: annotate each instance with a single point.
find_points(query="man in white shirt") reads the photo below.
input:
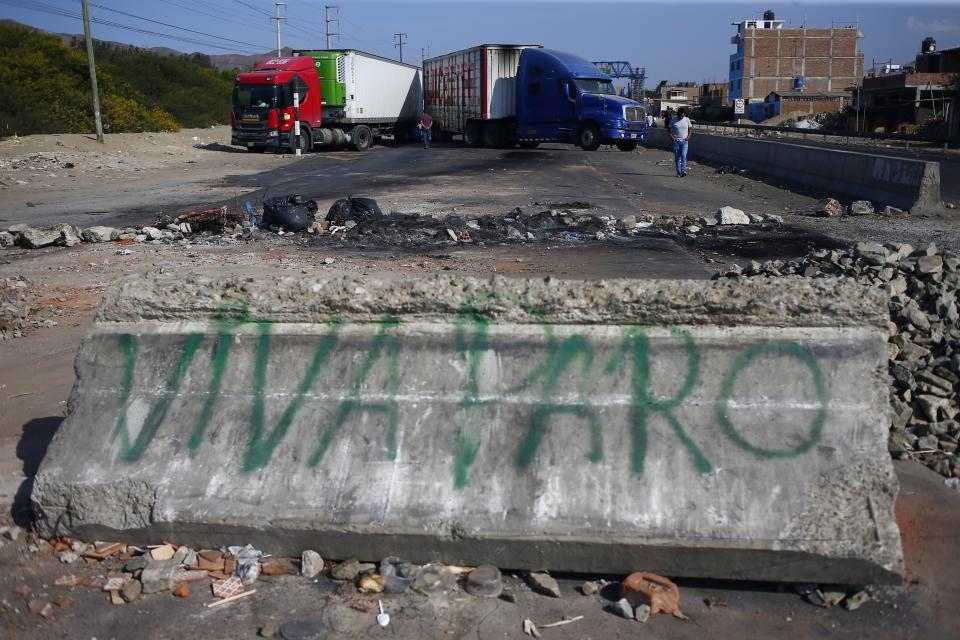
(680, 131)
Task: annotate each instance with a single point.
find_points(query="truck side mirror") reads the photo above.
(567, 90)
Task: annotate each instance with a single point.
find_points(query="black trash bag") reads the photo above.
(290, 212)
(356, 209)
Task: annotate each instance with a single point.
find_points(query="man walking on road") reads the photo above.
(680, 131)
(425, 123)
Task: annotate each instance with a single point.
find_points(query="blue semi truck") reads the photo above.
(499, 95)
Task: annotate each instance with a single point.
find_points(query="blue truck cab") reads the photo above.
(564, 98)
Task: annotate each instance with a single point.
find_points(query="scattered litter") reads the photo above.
(354, 209)
(953, 483)
(231, 598)
(291, 212)
(248, 563)
(23, 590)
(383, 618)
(68, 581)
(660, 593)
(182, 591)
(530, 628)
(227, 588)
(41, 608)
(397, 574)
(434, 579)
(560, 623)
(371, 583)
(856, 601)
(484, 582)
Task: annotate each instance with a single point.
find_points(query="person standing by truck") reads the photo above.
(426, 122)
(680, 131)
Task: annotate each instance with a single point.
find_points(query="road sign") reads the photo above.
(739, 108)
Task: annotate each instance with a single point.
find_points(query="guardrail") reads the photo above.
(917, 141)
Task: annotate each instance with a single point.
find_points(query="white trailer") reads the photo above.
(463, 88)
(365, 95)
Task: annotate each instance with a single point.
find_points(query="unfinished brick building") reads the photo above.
(771, 57)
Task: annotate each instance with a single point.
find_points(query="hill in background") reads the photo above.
(47, 86)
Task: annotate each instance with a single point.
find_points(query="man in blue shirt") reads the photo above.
(680, 131)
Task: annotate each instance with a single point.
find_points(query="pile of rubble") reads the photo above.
(395, 229)
(924, 343)
(831, 208)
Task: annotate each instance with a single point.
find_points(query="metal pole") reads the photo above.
(400, 42)
(296, 122)
(278, 18)
(326, 15)
(93, 71)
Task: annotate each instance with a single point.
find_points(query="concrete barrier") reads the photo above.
(884, 180)
(719, 429)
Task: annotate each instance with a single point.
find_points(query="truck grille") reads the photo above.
(633, 114)
(252, 127)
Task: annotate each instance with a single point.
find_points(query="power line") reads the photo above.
(40, 7)
(173, 26)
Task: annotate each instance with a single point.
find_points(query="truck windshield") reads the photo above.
(595, 86)
(255, 95)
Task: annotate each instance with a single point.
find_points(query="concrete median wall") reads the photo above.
(716, 429)
(884, 180)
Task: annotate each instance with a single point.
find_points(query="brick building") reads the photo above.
(714, 94)
(771, 57)
(673, 96)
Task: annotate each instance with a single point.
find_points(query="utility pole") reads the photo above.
(399, 37)
(336, 18)
(93, 71)
(278, 18)
(424, 53)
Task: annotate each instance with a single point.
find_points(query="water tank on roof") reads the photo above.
(798, 83)
(929, 45)
(768, 15)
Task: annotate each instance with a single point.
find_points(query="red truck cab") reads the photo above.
(263, 110)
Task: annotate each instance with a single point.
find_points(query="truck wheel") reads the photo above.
(627, 145)
(362, 138)
(529, 144)
(473, 135)
(589, 137)
(306, 142)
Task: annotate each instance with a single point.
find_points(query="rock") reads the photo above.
(861, 208)
(873, 253)
(641, 613)
(755, 218)
(544, 583)
(99, 234)
(311, 564)
(158, 576)
(892, 211)
(930, 264)
(328, 261)
(151, 233)
(729, 215)
(484, 582)
(829, 208)
(17, 229)
(622, 608)
(135, 564)
(7, 239)
(692, 228)
(69, 235)
(11, 533)
(627, 224)
(590, 588)
(930, 406)
(346, 570)
(38, 238)
(131, 590)
(774, 218)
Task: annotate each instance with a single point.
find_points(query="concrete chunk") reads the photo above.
(714, 429)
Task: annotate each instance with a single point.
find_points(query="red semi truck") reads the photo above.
(346, 97)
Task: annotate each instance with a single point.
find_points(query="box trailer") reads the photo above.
(499, 95)
(345, 97)
(469, 86)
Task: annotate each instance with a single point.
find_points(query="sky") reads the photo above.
(674, 40)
